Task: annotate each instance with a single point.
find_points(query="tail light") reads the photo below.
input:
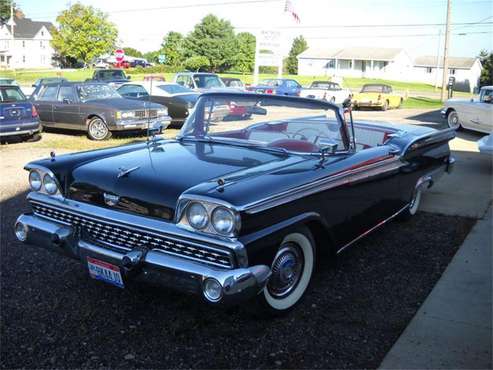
(269, 91)
(34, 112)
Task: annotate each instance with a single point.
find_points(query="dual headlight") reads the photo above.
(39, 181)
(125, 115)
(211, 218)
(162, 112)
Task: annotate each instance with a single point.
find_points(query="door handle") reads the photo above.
(394, 150)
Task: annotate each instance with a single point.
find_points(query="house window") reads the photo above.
(23, 59)
(23, 44)
(331, 64)
(429, 70)
(41, 43)
(452, 71)
(42, 33)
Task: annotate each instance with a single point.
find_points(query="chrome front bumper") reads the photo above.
(151, 266)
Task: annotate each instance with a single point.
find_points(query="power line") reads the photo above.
(392, 36)
(411, 25)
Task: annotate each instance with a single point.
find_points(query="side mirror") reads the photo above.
(66, 101)
(129, 77)
(33, 85)
(327, 146)
(346, 103)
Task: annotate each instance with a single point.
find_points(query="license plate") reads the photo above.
(259, 91)
(105, 271)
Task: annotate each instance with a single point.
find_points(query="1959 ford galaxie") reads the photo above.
(233, 209)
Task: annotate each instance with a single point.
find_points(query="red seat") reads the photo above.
(294, 145)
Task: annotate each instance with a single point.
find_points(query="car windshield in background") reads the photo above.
(207, 81)
(325, 85)
(111, 75)
(7, 81)
(175, 89)
(96, 91)
(11, 94)
(273, 83)
(277, 124)
(373, 89)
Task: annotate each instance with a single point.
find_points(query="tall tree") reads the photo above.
(172, 48)
(83, 33)
(299, 45)
(244, 60)
(133, 52)
(486, 77)
(5, 9)
(214, 39)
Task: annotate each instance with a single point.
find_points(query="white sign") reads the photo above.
(268, 51)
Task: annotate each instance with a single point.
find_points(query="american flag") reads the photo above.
(288, 7)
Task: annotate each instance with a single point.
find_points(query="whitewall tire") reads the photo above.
(292, 270)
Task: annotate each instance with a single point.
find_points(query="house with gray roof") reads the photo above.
(28, 46)
(387, 63)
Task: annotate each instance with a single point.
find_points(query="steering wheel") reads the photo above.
(318, 134)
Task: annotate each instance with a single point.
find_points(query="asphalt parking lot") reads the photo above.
(53, 315)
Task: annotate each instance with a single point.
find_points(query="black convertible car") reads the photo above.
(95, 108)
(233, 210)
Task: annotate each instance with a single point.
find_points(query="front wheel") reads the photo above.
(453, 120)
(385, 105)
(292, 270)
(97, 129)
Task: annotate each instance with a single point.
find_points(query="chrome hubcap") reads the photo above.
(453, 120)
(98, 129)
(286, 270)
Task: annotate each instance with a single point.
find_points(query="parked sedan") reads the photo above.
(473, 114)
(95, 108)
(326, 90)
(237, 212)
(278, 86)
(110, 76)
(178, 99)
(377, 96)
(233, 82)
(18, 117)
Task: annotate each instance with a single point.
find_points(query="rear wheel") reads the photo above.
(97, 129)
(333, 100)
(453, 120)
(412, 209)
(292, 270)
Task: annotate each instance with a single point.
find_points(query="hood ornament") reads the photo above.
(124, 172)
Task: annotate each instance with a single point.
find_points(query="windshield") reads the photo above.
(175, 89)
(7, 81)
(373, 89)
(207, 81)
(112, 75)
(11, 94)
(277, 123)
(273, 83)
(96, 91)
(325, 85)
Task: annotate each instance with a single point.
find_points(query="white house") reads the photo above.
(366, 62)
(387, 63)
(28, 47)
(465, 70)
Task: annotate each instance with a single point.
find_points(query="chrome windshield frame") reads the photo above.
(312, 103)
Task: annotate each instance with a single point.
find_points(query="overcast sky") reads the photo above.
(142, 24)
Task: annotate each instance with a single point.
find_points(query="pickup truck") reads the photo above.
(326, 90)
(109, 76)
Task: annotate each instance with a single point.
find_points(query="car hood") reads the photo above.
(159, 173)
(123, 103)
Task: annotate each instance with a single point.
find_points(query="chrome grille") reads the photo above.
(147, 113)
(124, 238)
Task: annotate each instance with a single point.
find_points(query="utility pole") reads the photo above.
(445, 52)
(437, 71)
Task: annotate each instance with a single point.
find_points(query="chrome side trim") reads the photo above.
(149, 224)
(372, 229)
(323, 184)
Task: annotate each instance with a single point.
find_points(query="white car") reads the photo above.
(474, 114)
(326, 90)
(485, 144)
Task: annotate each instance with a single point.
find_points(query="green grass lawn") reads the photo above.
(27, 77)
(420, 102)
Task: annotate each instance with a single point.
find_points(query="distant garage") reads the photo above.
(387, 63)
